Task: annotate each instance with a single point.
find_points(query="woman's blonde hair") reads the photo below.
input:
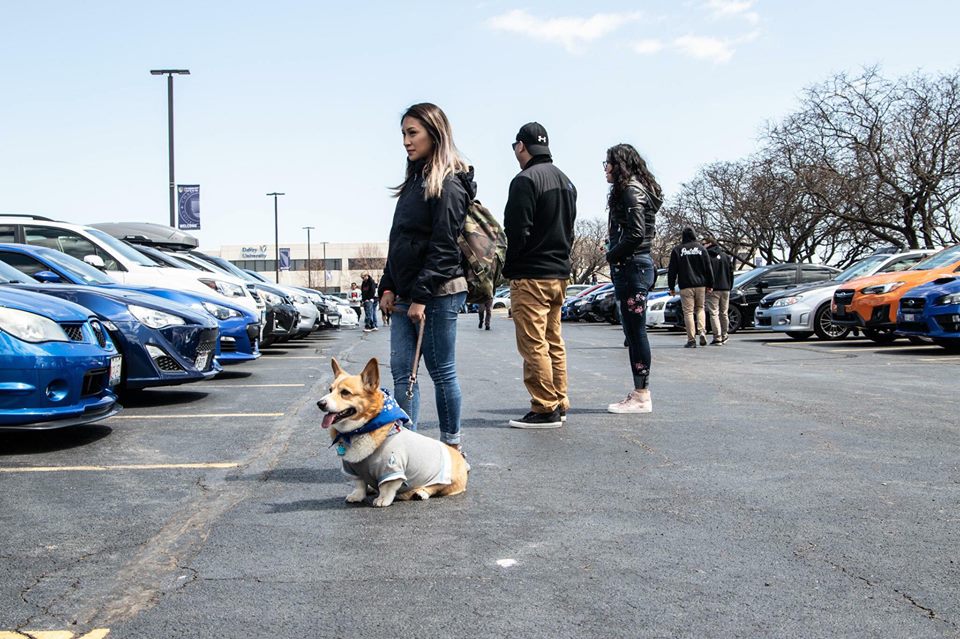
(444, 159)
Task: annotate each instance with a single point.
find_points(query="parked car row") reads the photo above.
(86, 316)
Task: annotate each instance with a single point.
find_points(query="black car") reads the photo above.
(750, 287)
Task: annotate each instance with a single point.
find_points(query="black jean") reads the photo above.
(632, 281)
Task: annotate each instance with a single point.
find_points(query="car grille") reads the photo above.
(843, 296)
(764, 321)
(94, 381)
(99, 332)
(913, 327)
(949, 323)
(227, 345)
(73, 331)
(912, 303)
(167, 364)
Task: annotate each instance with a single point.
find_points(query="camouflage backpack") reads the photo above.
(484, 248)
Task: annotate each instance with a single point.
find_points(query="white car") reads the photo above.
(655, 308)
(502, 300)
(120, 261)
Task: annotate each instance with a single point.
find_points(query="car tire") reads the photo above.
(735, 318)
(825, 328)
(881, 335)
(800, 335)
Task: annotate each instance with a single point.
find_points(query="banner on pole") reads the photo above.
(188, 217)
(284, 259)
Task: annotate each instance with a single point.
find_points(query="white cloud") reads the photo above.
(570, 32)
(704, 48)
(647, 47)
(734, 8)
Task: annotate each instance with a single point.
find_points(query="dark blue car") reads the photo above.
(932, 310)
(57, 363)
(239, 327)
(162, 343)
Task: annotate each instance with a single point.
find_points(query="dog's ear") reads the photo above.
(371, 375)
(335, 365)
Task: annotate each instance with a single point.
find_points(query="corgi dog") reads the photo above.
(367, 427)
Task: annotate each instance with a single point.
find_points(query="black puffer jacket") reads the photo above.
(722, 268)
(423, 252)
(631, 223)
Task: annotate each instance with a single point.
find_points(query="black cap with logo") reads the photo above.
(535, 138)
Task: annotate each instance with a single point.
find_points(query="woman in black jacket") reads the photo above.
(423, 280)
(632, 203)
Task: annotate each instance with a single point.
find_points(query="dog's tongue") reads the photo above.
(328, 420)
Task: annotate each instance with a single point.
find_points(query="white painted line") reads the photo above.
(286, 357)
(506, 563)
(252, 386)
(53, 469)
(196, 415)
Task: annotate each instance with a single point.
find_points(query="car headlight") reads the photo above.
(788, 301)
(880, 289)
(31, 327)
(272, 298)
(154, 318)
(658, 306)
(220, 312)
(226, 288)
(301, 299)
(947, 300)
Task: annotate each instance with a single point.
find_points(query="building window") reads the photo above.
(366, 263)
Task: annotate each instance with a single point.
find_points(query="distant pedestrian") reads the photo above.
(690, 268)
(354, 299)
(538, 221)
(384, 316)
(485, 310)
(368, 295)
(423, 280)
(632, 205)
(718, 301)
(593, 279)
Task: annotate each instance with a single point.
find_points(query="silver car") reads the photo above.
(803, 311)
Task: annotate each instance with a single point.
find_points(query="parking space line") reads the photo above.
(306, 357)
(53, 469)
(196, 415)
(254, 385)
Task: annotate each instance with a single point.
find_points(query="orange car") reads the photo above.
(870, 303)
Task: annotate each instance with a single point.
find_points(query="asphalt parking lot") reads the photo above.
(779, 489)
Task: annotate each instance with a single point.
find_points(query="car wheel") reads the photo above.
(952, 345)
(736, 319)
(496, 306)
(880, 335)
(800, 335)
(824, 327)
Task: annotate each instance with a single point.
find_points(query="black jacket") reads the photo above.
(423, 251)
(631, 223)
(722, 268)
(368, 289)
(538, 222)
(690, 264)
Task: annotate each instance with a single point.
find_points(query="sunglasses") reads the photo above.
(513, 145)
(606, 164)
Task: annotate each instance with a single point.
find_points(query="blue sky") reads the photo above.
(305, 97)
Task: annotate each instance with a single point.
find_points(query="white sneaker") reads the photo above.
(632, 404)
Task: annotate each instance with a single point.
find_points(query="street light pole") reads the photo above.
(324, 266)
(170, 73)
(276, 236)
(309, 265)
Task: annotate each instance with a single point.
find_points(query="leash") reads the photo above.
(416, 359)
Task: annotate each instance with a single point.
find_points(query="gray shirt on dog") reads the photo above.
(417, 460)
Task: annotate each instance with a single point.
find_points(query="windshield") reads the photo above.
(117, 246)
(10, 275)
(231, 268)
(861, 268)
(78, 270)
(743, 278)
(946, 257)
(162, 259)
(663, 281)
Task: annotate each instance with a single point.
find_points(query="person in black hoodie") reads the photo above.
(538, 222)
(368, 295)
(718, 300)
(690, 266)
(423, 280)
(632, 205)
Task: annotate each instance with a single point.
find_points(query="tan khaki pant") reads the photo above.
(717, 303)
(691, 299)
(535, 306)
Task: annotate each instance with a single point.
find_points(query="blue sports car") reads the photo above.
(162, 343)
(239, 327)
(57, 364)
(933, 310)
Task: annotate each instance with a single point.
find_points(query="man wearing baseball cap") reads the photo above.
(538, 221)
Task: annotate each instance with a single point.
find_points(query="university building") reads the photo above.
(326, 266)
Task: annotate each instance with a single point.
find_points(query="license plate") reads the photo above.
(116, 364)
(202, 360)
(909, 317)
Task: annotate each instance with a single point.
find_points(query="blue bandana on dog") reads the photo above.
(391, 413)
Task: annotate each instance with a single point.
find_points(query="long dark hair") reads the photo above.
(444, 160)
(627, 164)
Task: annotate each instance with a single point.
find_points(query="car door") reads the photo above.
(812, 273)
(775, 279)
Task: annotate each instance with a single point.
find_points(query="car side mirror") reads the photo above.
(47, 277)
(762, 284)
(95, 261)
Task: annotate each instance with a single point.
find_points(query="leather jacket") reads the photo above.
(631, 223)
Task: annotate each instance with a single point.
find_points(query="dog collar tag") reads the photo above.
(341, 449)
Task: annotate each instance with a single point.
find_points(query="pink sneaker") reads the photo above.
(632, 404)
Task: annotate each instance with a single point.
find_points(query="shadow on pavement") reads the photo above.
(333, 503)
(46, 441)
(296, 476)
(153, 398)
(232, 375)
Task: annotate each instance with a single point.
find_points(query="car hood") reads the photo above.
(944, 285)
(797, 290)
(51, 307)
(909, 277)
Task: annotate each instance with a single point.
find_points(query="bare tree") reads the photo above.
(588, 254)
(369, 258)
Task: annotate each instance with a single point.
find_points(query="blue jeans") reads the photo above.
(439, 355)
(369, 313)
(632, 281)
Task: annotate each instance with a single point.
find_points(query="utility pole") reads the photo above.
(276, 236)
(324, 266)
(309, 264)
(173, 187)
